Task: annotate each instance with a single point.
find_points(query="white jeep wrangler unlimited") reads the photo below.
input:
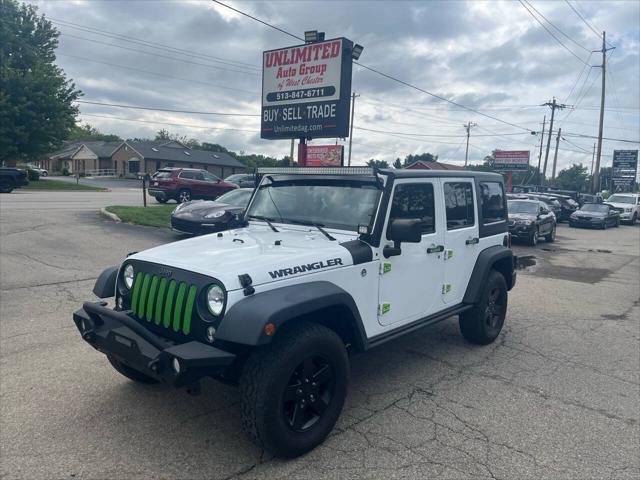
(325, 260)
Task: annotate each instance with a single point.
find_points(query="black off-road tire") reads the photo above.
(482, 324)
(130, 373)
(273, 370)
(551, 236)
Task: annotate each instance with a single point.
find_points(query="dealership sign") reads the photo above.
(506, 160)
(306, 90)
(625, 168)
(324, 155)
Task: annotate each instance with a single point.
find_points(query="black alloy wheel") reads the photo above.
(533, 238)
(551, 236)
(184, 195)
(482, 323)
(308, 394)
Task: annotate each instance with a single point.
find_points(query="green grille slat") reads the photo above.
(168, 303)
(136, 292)
(191, 297)
(178, 310)
(152, 297)
(159, 300)
(143, 295)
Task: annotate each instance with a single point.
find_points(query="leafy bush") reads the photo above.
(65, 171)
(32, 175)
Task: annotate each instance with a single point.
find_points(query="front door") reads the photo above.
(461, 240)
(410, 282)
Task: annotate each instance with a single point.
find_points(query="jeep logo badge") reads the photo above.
(165, 272)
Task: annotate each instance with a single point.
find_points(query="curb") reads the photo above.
(110, 215)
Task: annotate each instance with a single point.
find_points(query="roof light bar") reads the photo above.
(316, 170)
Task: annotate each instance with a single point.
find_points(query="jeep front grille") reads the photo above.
(167, 303)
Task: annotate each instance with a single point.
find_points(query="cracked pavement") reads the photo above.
(557, 396)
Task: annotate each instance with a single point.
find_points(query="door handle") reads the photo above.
(472, 241)
(436, 249)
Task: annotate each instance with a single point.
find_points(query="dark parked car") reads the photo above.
(567, 206)
(11, 178)
(243, 180)
(185, 184)
(597, 215)
(552, 203)
(531, 219)
(200, 217)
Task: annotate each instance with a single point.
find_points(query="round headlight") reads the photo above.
(128, 276)
(217, 214)
(215, 299)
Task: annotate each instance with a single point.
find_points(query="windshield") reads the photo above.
(621, 199)
(236, 197)
(516, 206)
(340, 204)
(594, 207)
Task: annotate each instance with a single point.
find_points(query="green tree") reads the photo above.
(378, 163)
(397, 164)
(425, 157)
(36, 98)
(164, 134)
(88, 132)
(573, 178)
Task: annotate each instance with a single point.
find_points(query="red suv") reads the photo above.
(184, 184)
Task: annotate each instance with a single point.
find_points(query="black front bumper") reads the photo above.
(521, 231)
(115, 333)
(598, 223)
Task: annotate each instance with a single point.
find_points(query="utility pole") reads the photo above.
(353, 109)
(596, 173)
(593, 157)
(293, 142)
(555, 155)
(553, 106)
(468, 129)
(544, 121)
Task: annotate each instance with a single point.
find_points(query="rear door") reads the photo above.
(461, 238)
(410, 282)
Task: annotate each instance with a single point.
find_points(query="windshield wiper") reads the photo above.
(312, 224)
(264, 219)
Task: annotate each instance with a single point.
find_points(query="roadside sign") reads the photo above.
(325, 155)
(625, 169)
(306, 90)
(510, 160)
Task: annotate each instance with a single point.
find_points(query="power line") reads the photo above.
(149, 72)
(558, 29)
(409, 134)
(584, 20)
(151, 44)
(215, 67)
(135, 107)
(206, 127)
(551, 33)
(578, 79)
(390, 77)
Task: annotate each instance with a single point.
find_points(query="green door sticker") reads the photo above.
(385, 308)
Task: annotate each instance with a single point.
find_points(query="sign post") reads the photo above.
(624, 170)
(508, 161)
(306, 92)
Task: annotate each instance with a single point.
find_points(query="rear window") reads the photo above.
(162, 174)
(493, 202)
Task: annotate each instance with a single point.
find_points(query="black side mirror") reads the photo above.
(402, 230)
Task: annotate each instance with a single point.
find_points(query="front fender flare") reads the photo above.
(244, 322)
(105, 286)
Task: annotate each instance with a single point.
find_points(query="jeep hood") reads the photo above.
(256, 250)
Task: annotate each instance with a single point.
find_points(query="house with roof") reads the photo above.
(131, 157)
(425, 165)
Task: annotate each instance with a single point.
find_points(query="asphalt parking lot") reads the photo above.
(556, 396)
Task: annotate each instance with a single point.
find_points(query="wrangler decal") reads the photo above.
(307, 267)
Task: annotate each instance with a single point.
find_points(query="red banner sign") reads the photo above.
(324, 155)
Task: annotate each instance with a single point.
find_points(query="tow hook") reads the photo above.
(155, 366)
(194, 389)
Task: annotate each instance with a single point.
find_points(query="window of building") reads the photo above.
(134, 166)
(458, 199)
(415, 200)
(492, 202)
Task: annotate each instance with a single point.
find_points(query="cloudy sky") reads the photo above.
(491, 56)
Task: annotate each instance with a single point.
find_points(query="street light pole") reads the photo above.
(353, 109)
